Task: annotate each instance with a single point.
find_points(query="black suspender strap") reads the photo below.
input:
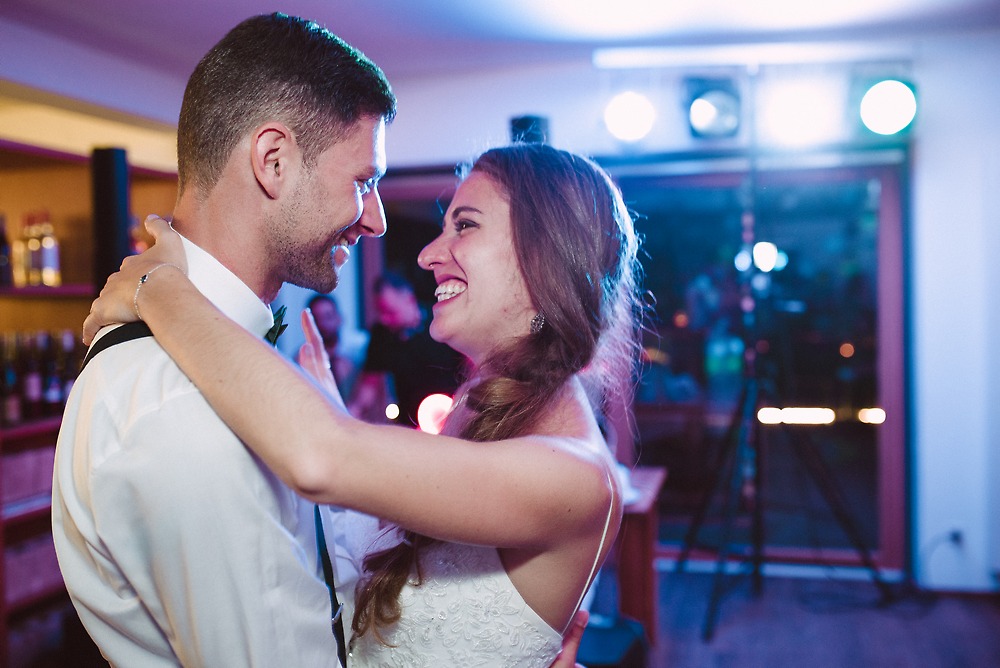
(127, 332)
(336, 607)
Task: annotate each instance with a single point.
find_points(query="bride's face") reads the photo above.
(482, 296)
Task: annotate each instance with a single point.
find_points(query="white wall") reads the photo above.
(38, 60)
(955, 242)
(954, 236)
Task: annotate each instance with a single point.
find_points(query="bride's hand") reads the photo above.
(116, 303)
(315, 361)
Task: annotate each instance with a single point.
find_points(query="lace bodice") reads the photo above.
(467, 612)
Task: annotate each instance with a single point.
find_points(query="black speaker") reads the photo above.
(529, 129)
(112, 211)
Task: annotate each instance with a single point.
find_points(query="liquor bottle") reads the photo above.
(10, 389)
(51, 274)
(6, 271)
(71, 361)
(33, 240)
(32, 379)
(52, 384)
(19, 257)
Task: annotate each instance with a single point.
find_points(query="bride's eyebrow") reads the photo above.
(463, 210)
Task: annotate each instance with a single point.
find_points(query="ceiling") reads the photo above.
(411, 38)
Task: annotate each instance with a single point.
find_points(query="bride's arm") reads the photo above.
(509, 493)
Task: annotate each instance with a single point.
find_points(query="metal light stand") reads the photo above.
(740, 456)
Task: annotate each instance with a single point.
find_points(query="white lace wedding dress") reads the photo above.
(466, 613)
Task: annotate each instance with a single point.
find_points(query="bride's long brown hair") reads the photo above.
(577, 249)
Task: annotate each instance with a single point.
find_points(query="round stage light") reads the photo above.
(629, 116)
(888, 107)
(714, 113)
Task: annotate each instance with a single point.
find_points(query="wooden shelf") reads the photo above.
(35, 179)
(27, 517)
(37, 601)
(31, 434)
(45, 292)
(27, 510)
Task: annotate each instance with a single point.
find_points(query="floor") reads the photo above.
(811, 622)
(821, 623)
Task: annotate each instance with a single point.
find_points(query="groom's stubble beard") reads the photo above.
(300, 256)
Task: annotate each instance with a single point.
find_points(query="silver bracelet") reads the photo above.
(143, 279)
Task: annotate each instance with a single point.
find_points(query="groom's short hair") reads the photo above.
(274, 67)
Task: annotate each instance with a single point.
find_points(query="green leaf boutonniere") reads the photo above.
(275, 331)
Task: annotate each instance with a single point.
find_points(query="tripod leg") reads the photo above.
(730, 502)
(758, 510)
(821, 474)
(724, 459)
(744, 452)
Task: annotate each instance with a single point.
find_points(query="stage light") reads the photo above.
(888, 107)
(713, 107)
(629, 116)
(432, 412)
(800, 111)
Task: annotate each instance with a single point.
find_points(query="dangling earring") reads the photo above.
(537, 322)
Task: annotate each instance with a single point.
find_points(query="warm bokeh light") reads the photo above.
(681, 320)
(795, 415)
(871, 415)
(847, 350)
(432, 412)
(392, 411)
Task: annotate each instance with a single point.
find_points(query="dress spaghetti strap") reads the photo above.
(597, 557)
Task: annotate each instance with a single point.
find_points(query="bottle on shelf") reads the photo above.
(6, 271)
(33, 240)
(32, 377)
(50, 272)
(20, 257)
(52, 378)
(71, 361)
(10, 385)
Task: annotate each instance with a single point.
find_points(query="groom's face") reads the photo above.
(333, 205)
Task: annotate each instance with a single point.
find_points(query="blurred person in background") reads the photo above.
(329, 322)
(403, 364)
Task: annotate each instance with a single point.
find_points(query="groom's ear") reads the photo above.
(274, 154)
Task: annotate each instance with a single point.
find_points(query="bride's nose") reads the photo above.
(432, 254)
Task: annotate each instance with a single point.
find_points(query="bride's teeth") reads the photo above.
(449, 290)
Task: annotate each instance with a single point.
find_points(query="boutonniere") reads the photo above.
(276, 330)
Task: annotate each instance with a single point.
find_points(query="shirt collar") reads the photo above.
(227, 292)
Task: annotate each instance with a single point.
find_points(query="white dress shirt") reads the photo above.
(177, 545)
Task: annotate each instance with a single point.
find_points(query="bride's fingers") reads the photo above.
(157, 226)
